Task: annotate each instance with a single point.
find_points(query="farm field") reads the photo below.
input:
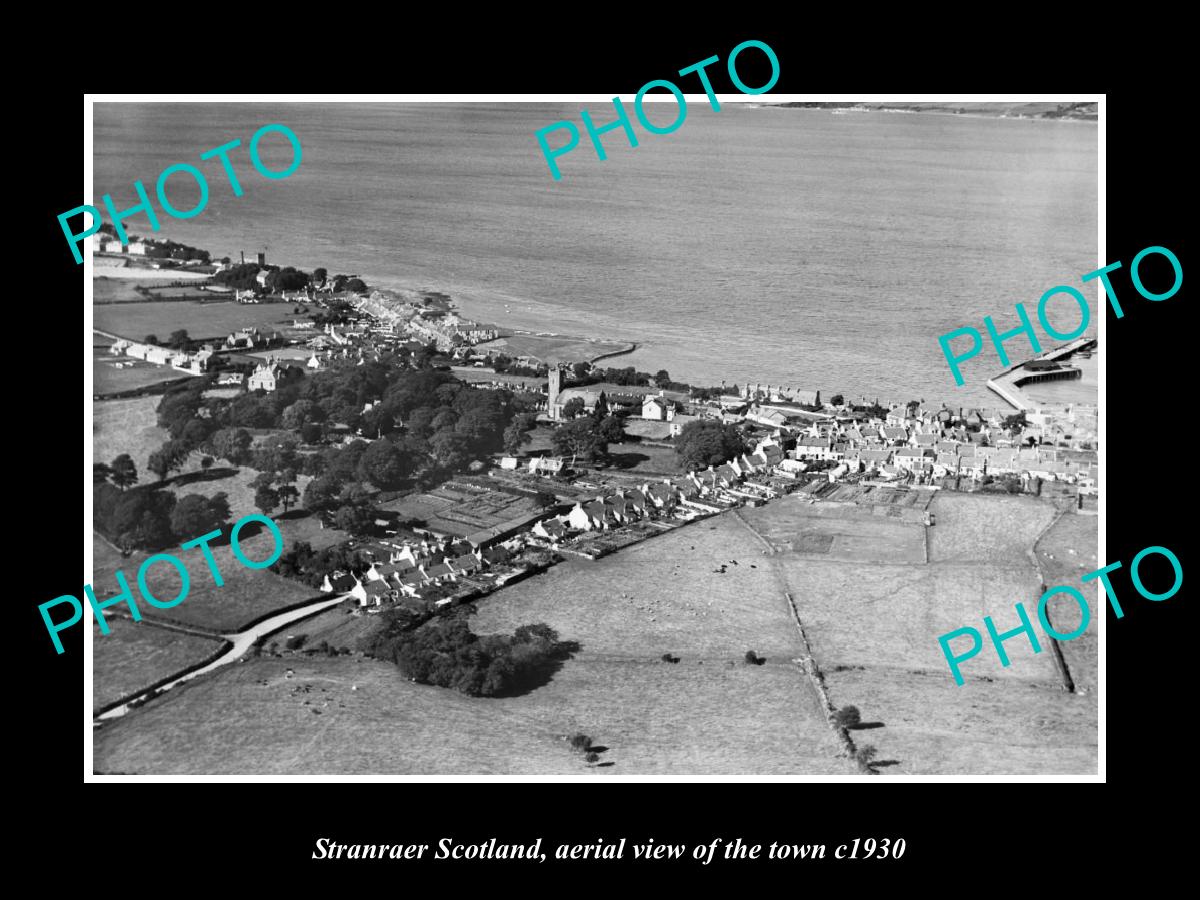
(930, 726)
(711, 713)
(986, 528)
(246, 595)
(1067, 552)
(554, 348)
(119, 268)
(107, 378)
(133, 656)
(837, 532)
(115, 290)
(127, 426)
(200, 320)
(874, 628)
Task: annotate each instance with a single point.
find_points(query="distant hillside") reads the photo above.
(1082, 111)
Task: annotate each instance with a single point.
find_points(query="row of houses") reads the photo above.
(412, 571)
(192, 363)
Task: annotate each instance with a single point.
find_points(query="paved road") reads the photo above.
(242, 641)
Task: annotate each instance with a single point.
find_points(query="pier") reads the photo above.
(1009, 382)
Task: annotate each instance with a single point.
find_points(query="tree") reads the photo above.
(232, 444)
(384, 465)
(579, 741)
(299, 413)
(847, 717)
(662, 378)
(136, 518)
(311, 432)
(319, 275)
(357, 285)
(196, 432)
(611, 429)
(206, 463)
(545, 499)
(836, 400)
(288, 496)
(354, 518)
(266, 499)
(124, 472)
(150, 339)
(167, 458)
(573, 408)
(864, 756)
(179, 339)
(515, 437)
(578, 437)
(707, 442)
(1016, 421)
(195, 515)
(592, 758)
(100, 473)
(450, 449)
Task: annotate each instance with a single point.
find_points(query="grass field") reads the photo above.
(641, 458)
(986, 528)
(833, 532)
(873, 626)
(116, 290)
(555, 348)
(709, 714)
(247, 594)
(133, 374)
(648, 428)
(127, 426)
(133, 656)
(1065, 553)
(200, 320)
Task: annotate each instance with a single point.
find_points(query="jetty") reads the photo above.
(1008, 383)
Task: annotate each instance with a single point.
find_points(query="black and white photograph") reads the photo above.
(732, 435)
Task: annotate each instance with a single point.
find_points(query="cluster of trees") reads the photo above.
(174, 250)
(445, 652)
(286, 279)
(121, 472)
(349, 283)
(707, 442)
(337, 313)
(585, 373)
(588, 436)
(517, 433)
(309, 566)
(446, 424)
(152, 519)
(506, 364)
(243, 276)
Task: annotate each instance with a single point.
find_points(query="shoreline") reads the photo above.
(481, 305)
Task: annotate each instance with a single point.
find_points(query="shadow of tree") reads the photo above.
(542, 674)
(213, 474)
(864, 726)
(626, 460)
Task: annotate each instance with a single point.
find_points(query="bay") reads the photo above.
(755, 244)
